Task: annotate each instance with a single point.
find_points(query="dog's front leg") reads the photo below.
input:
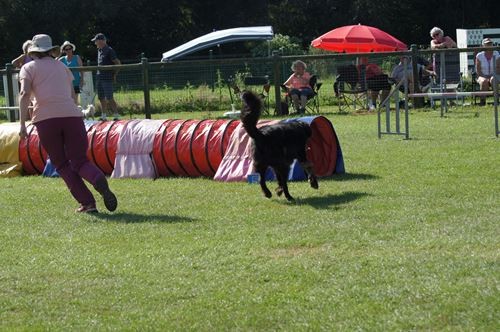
(263, 185)
(282, 178)
(313, 181)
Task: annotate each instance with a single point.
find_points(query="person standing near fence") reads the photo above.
(59, 123)
(105, 78)
(23, 58)
(487, 64)
(439, 40)
(72, 60)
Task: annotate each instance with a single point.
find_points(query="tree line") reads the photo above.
(153, 27)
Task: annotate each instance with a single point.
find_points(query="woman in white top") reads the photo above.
(487, 64)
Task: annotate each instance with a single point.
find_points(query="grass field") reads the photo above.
(407, 239)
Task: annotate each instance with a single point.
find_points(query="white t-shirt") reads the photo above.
(487, 67)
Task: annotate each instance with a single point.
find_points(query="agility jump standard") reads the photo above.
(466, 94)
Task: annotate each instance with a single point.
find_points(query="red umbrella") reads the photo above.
(358, 39)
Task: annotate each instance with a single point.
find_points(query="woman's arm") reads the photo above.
(450, 43)
(287, 82)
(479, 72)
(19, 61)
(24, 103)
(80, 64)
(446, 43)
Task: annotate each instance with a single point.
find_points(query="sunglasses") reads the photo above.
(435, 35)
(68, 49)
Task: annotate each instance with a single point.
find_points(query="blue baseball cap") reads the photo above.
(99, 36)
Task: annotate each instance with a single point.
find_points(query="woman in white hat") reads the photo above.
(73, 60)
(59, 123)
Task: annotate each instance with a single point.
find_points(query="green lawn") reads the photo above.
(407, 239)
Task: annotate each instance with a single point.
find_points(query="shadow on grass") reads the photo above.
(332, 201)
(349, 177)
(130, 218)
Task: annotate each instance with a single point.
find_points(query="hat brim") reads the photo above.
(42, 49)
(68, 44)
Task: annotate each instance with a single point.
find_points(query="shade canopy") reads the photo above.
(219, 37)
(358, 39)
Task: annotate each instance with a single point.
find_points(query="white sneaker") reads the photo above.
(88, 112)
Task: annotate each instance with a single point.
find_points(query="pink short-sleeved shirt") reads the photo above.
(296, 82)
(51, 84)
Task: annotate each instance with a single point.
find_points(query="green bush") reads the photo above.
(286, 45)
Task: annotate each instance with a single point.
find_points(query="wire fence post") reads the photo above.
(417, 102)
(145, 85)
(10, 92)
(277, 81)
(496, 97)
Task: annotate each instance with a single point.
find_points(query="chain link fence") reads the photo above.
(146, 88)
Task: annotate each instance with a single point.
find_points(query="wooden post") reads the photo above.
(277, 82)
(145, 84)
(417, 102)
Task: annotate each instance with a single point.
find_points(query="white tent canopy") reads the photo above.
(219, 37)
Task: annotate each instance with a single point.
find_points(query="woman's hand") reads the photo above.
(22, 131)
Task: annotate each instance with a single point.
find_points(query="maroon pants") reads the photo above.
(65, 140)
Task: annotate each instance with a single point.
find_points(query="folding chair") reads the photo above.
(313, 101)
(350, 88)
(260, 81)
(234, 93)
(448, 78)
(312, 105)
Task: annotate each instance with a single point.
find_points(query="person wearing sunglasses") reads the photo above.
(71, 60)
(439, 40)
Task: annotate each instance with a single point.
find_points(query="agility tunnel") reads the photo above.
(323, 150)
(190, 148)
(10, 165)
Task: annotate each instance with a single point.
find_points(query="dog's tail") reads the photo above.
(250, 113)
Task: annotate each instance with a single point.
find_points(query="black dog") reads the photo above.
(276, 146)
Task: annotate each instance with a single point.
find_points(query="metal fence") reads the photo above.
(205, 85)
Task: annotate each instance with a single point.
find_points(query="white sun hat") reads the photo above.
(41, 43)
(67, 43)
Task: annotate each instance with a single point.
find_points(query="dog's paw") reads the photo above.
(313, 182)
(279, 191)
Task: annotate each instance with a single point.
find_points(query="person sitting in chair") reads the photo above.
(398, 72)
(298, 86)
(376, 81)
(486, 61)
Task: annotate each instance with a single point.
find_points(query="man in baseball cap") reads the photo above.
(99, 36)
(106, 56)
